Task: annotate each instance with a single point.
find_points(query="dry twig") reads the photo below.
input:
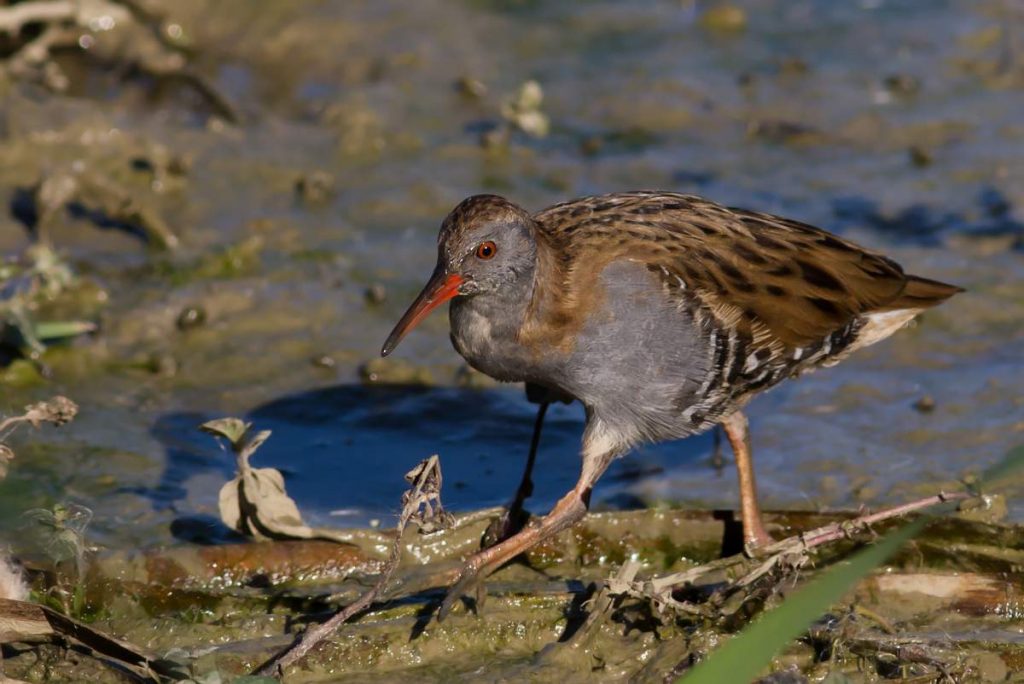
(15, 17)
(65, 22)
(603, 601)
(30, 622)
(790, 553)
(59, 411)
(420, 504)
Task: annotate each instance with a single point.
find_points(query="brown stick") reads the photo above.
(425, 492)
(835, 531)
(660, 588)
(13, 18)
(25, 621)
(314, 635)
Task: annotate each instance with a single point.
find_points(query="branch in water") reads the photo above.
(420, 504)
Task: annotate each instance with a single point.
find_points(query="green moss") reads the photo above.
(231, 261)
(21, 374)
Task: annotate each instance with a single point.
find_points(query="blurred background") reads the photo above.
(221, 208)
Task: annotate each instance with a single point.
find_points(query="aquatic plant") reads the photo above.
(255, 502)
(60, 533)
(41, 275)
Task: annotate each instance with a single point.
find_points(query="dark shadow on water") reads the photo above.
(921, 224)
(346, 449)
(205, 530)
(188, 453)
(24, 207)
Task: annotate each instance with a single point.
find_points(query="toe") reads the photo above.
(756, 541)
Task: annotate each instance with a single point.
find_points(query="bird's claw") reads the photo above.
(470, 585)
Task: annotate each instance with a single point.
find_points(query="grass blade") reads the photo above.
(1012, 462)
(56, 330)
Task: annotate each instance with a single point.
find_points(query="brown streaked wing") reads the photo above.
(781, 281)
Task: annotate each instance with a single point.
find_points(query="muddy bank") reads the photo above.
(951, 598)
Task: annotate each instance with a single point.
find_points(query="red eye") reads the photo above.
(486, 250)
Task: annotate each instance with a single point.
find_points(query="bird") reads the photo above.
(664, 314)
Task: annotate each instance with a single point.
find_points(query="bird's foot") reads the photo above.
(470, 585)
(756, 540)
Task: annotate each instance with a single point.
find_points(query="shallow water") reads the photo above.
(791, 115)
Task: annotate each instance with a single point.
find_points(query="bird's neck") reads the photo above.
(548, 321)
(485, 328)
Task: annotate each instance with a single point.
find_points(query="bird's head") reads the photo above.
(485, 245)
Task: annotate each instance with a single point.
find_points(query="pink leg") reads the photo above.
(598, 451)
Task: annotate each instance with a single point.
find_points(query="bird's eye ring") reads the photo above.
(486, 250)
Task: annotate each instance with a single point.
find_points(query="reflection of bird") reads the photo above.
(662, 313)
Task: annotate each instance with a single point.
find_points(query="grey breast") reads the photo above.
(484, 331)
(640, 360)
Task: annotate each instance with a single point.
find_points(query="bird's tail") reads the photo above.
(923, 293)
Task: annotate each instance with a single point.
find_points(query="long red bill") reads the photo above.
(439, 289)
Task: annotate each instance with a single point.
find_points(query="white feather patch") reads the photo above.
(751, 364)
(12, 584)
(878, 326)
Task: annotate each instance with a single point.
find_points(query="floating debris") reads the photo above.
(315, 188)
(724, 19)
(192, 316)
(323, 361)
(375, 294)
(902, 85)
(920, 157)
(469, 87)
(925, 404)
(379, 371)
(523, 110)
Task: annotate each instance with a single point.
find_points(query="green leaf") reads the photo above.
(231, 429)
(743, 657)
(56, 330)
